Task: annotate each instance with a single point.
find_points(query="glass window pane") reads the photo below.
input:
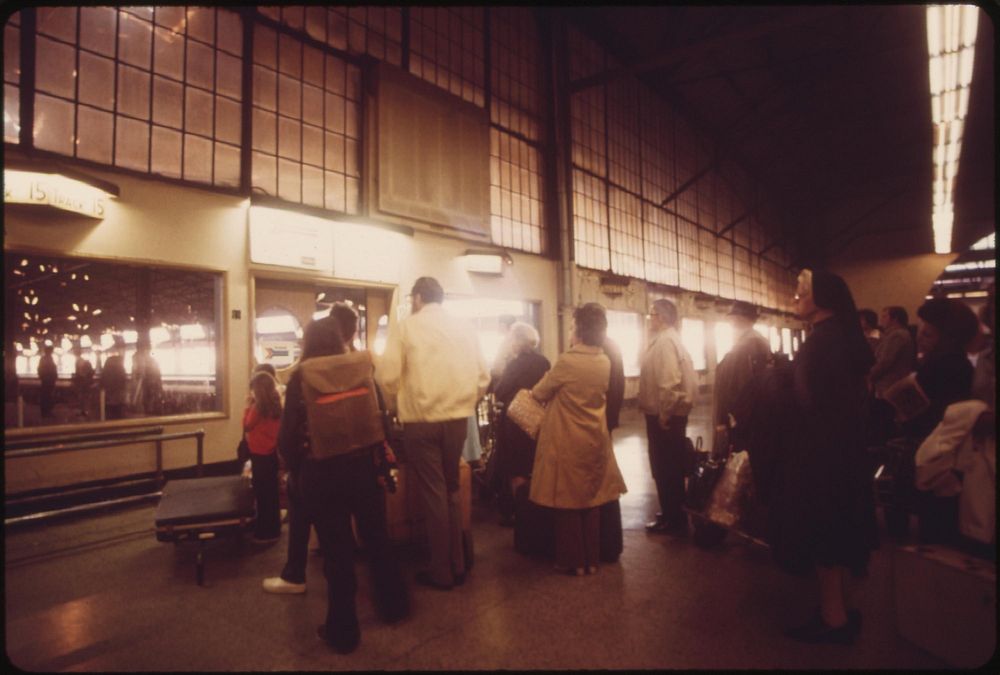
(335, 192)
(134, 40)
(12, 116)
(168, 57)
(97, 29)
(97, 81)
(312, 105)
(313, 70)
(166, 159)
(199, 65)
(199, 112)
(265, 49)
(264, 131)
(289, 96)
(132, 144)
(265, 173)
(55, 68)
(172, 17)
(228, 120)
(230, 32)
(53, 125)
(335, 152)
(265, 87)
(58, 22)
(290, 57)
(201, 23)
(312, 145)
(289, 181)
(168, 99)
(197, 158)
(289, 138)
(11, 53)
(227, 165)
(335, 115)
(96, 143)
(133, 92)
(312, 186)
(229, 75)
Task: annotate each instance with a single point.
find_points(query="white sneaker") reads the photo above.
(279, 585)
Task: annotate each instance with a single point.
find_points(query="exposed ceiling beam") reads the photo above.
(703, 47)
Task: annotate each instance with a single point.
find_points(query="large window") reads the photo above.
(693, 338)
(157, 90)
(151, 334)
(626, 328)
(306, 123)
(12, 79)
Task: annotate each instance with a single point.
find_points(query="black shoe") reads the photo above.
(657, 526)
(342, 644)
(816, 631)
(424, 579)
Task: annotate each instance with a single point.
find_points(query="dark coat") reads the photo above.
(616, 384)
(946, 378)
(515, 450)
(746, 360)
(822, 509)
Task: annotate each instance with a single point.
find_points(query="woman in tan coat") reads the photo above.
(575, 469)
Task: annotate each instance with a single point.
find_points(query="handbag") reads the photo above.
(731, 495)
(243, 450)
(526, 412)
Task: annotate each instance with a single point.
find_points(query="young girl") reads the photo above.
(261, 421)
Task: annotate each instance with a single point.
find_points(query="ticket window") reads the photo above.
(693, 338)
(283, 309)
(626, 329)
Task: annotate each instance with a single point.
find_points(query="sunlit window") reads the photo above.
(693, 338)
(786, 340)
(723, 339)
(485, 315)
(625, 328)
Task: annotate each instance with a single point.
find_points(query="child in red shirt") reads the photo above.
(261, 421)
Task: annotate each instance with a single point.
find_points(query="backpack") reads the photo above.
(342, 408)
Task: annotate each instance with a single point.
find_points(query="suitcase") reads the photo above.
(403, 517)
(200, 509)
(534, 526)
(946, 603)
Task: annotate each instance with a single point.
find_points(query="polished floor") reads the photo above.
(102, 594)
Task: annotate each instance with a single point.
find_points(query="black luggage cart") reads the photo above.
(200, 509)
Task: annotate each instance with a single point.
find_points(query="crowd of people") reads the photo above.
(807, 425)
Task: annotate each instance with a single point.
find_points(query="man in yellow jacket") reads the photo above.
(667, 385)
(433, 373)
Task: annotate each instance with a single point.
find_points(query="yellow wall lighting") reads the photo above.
(951, 44)
(54, 190)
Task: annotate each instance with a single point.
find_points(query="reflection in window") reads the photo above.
(693, 338)
(149, 333)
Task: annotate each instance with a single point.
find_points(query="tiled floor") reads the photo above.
(102, 594)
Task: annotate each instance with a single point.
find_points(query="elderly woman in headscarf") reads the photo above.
(823, 515)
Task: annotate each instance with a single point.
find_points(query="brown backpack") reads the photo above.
(341, 403)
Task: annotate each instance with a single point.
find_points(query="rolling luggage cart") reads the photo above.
(200, 509)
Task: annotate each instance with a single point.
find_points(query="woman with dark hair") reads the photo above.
(261, 421)
(945, 328)
(334, 487)
(575, 470)
(823, 511)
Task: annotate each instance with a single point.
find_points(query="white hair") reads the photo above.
(523, 335)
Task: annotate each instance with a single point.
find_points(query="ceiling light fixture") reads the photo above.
(951, 42)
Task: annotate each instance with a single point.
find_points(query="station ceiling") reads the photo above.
(827, 107)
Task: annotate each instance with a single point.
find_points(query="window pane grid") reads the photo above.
(687, 253)
(515, 192)
(626, 233)
(447, 49)
(708, 263)
(588, 131)
(306, 123)
(374, 30)
(514, 74)
(590, 220)
(660, 229)
(161, 119)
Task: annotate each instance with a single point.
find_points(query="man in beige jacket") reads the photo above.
(667, 385)
(433, 369)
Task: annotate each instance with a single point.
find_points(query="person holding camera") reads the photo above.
(339, 480)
